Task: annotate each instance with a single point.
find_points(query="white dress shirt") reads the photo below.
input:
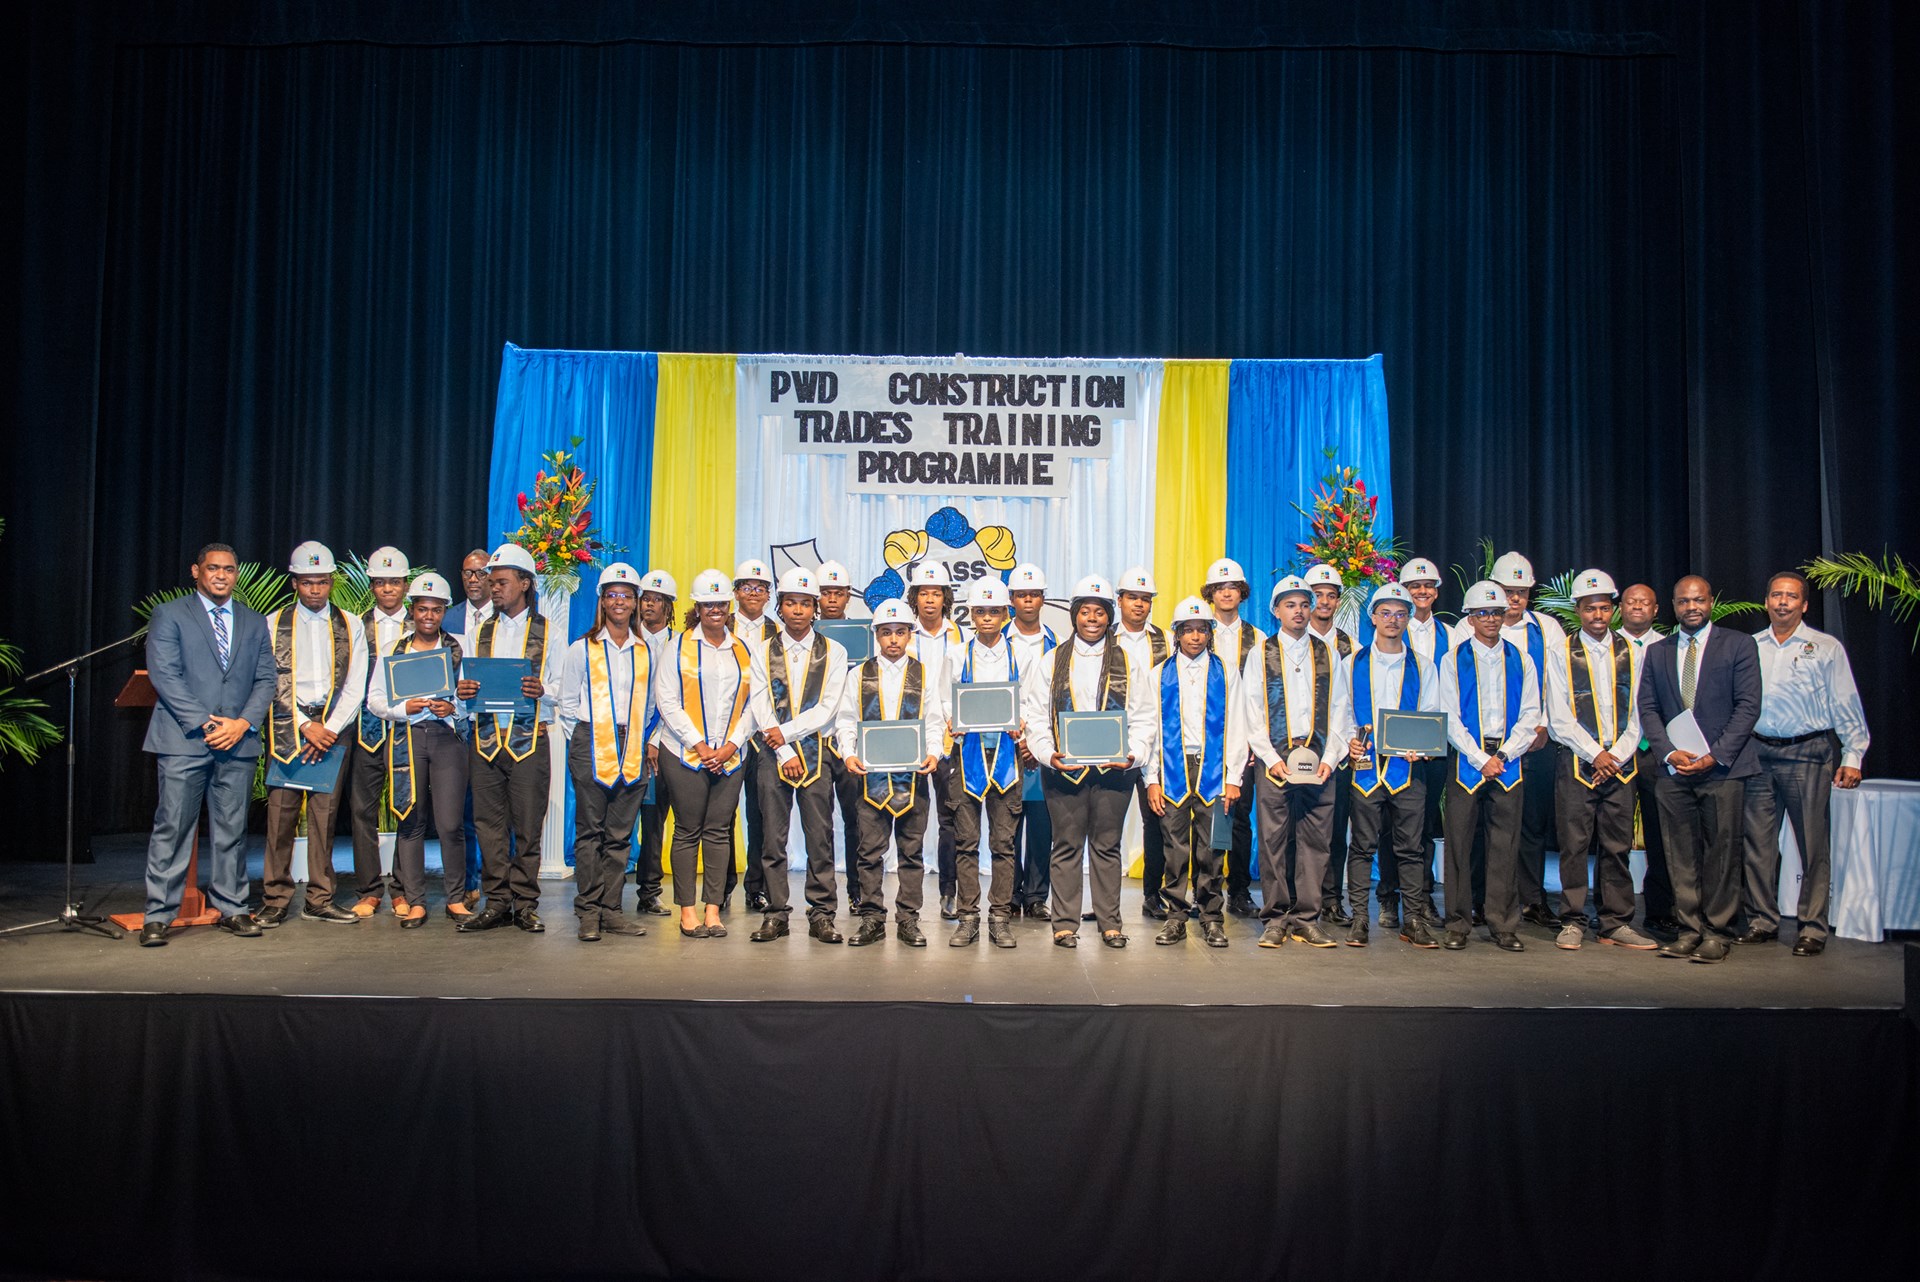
(806, 721)
(313, 667)
(382, 706)
(1387, 675)
(576, 700)
(1083, 685)
(1642, 641)
(1226, 640)
(1806, 684)
(1296, 669)
(1026, 649)
(1139, 645)
(721, 673)
(1331, 637)
(931, 647)
(1565, 726)
(388, 629)
(754, 631)
(893, 679)
(510, 642)
(1490, 671)
(1422, 634)
(1192, 676)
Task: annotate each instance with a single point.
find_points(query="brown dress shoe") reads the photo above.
(366, 907)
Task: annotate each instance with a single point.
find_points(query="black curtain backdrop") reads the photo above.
(1641, 276)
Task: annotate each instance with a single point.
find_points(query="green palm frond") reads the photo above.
(1459, 572)
(23, 731)
(1727, 609)
(257, 587)
(1889, 584)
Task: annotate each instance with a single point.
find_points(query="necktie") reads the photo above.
(1688, 670)
(221, 640)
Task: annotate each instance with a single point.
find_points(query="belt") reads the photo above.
(1772, 742)
(1490, 744)
(312, 711)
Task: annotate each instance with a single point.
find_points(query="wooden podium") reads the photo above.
(138, 693)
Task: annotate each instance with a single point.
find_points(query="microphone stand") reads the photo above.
(71, 917)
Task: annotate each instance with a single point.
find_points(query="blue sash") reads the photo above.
(1399, 771)
(1468, 777)
(974, 775)
(1174, 785)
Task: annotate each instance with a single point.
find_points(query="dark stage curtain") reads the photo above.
(1645, 311)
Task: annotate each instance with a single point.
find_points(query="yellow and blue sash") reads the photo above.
(282, 742)
(373, 730)
(780, 686)
(975, 776)
(1586, 709)
(403, 776)
(523, 736)
(1398, 771)
(614, 764)
(901, 786)
(693, 695)
(1469, 672)
(1112, 691)
(1174, 784)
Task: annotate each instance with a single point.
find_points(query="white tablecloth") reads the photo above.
(1876, 858)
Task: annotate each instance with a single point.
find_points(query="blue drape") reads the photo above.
(606, 399)
(1282, 417)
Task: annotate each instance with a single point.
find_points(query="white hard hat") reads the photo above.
(832, 574)
(799, 581)
(511, 556)
(1138, 580)
(1419, 570)
(311, 557)
(710, 587)
(1192, 610)
(662, 582)
(1225, 570)
(1095, 587)
(1513, 571)
(1027, 577)
(1292, 583)
(622, 573)
(987, 594)
(752, 568)
(388, 563)
(1322, 576)
(430, 587)
(893, 610)
(1593, 583)
(1485, 595)
(929, 574)
(1389, 592)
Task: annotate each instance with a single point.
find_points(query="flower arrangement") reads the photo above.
(1343, 536)
(556, 522)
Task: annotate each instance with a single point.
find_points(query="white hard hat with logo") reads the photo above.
(1093, 587)
(511, 556)
(1322, 576)
(1291, 584)
(1225, 570)
(388, 563)
(1136, 579)
(620, 574)
(430, 587)
(1419, 570)
(834, 575)
(799, 581)
(1389, 592)
(929, 574)
(661, 582)
(311, 557)
(987, 594)
(710, 587)
(753, 569)
(893, 610)
(1484, 595)
(1192, 610)
(1027, 577)
(1513, 571)
(1593, 583)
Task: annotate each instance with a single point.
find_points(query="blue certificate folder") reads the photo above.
(499, 686)
(855, 634)
(426, 675)
(308, 776)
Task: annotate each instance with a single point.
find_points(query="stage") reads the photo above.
(717, 1108)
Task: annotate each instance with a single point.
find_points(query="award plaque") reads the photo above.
(1091, 738)
(1421, 733)
(854, 634)
(985, 707)
(1303, 766)
(887, 747)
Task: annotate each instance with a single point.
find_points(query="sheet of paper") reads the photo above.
(1684, 732)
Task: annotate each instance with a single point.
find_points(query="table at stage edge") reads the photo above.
(1876, 858)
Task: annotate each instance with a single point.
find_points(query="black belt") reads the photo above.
(1772, 742)
(312, 711)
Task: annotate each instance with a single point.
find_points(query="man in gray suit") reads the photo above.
(211, 664)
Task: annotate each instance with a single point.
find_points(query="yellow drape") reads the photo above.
(694, 485)
(1190, 484)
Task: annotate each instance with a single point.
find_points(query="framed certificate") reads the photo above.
(1090, 738)
(985, 707)
(1424, 733)
(307, 776)
(499, 686)
(854, 634)
(888, 746)
(427, 674)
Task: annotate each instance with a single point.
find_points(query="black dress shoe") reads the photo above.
(688, 932)
(329, 913)
(1309, 933)
(757, 902)
(652, 907)
(1389, 919)
(949, 908)
(1540, 915)
(492, 919)
(1712, 949)
(716, 930)
(821, 928)
(1242, 906)
(1213, 934)
(1684, 946)
(1065, 939)
(1037, 911)
(1415, 932)
(1335, 915)
(772, 927)
(908, 933)
(1757, 935)
(1174, 932)
(153, 935)
(589, 931)
(1155, 908)
(872, 930)
(270, 917)
(1356, 934)
(620, 924)
(413, 923)
(1479, 917)
(1454, 941)
(529, 920)
(1507, 943)
(1666, 927)
(1114, 939)
(1805, 946)
(241, 924)
(1000, 932)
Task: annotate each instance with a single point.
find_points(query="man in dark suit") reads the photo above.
(1714, 675)
(211, 664)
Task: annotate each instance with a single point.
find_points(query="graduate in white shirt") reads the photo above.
(606, 703)
(1225, 591)
(836, 594)
(987, 781)
(1145, 642)
(1327, 589)
(320, 655)
(366, 767)
(426, 760)
(1490, 692)
(1808, 705)
(1389, 803)
(752, 588)
(1032, 641)
(799, 678)
(892, 685)
(511, 767)
(659, 598)
(1431, 638)
(1088, 804)
(1296, 699)
(702, 687)
(1593, 708)
(930, 597)
(1639, 607)
(1194, 769)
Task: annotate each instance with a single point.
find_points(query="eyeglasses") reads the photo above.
(1486, 614)
(1390, 616)
(751, 589)
(616, 594)
(473, 574)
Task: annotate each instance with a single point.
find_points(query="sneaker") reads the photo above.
(1628, 937)
(1570, 936)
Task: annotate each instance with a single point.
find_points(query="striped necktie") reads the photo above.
(222, 641)
(1689, 670)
